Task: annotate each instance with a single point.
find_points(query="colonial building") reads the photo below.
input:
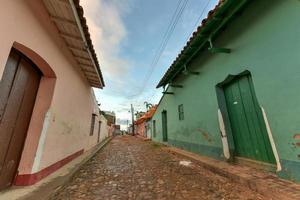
(143, 125)
(103, 128)
(48, 111)
(233, 91)
(117, 130)
(111, 121)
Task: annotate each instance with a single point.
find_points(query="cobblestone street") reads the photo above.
(129, 168)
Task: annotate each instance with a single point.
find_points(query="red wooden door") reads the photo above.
(18, 89)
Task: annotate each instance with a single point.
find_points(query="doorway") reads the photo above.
(154, 128)
(99, 131)
(164, 125)
(18, 89)
(246, 120)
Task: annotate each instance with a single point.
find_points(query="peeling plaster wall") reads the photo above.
(265, 40)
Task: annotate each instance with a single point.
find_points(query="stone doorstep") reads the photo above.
(50, 188)
(265, 183)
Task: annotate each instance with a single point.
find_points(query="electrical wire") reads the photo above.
(197, 23)
(194, 27)
(167, 35)
(172, 25)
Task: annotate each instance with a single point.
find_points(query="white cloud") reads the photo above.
(105, 20)
(107, 30)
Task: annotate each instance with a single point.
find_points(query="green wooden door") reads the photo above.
(164, 126)
(248, 127)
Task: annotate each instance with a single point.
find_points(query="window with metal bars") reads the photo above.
(93, 124)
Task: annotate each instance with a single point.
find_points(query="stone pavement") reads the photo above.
(129, 168)
(266, 183)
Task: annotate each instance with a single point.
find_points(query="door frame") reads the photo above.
(32, 149)
(99, 130)
(154, 128)
(225, 117)
(15, 144)
(164, 123)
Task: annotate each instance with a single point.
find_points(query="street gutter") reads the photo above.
(47, 190)
(265, 183)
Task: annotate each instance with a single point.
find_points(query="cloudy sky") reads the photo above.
(127, 35)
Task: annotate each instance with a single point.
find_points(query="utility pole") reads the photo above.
(127, 126)
(132, 118)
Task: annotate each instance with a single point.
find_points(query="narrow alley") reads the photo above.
(130, 168)
(149, 99)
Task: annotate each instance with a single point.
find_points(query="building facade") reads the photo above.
(111, 121)
(232, 93)
(48, 67)
(143, 126)
(103, 129)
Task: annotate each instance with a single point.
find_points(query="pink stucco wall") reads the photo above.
(67, 123)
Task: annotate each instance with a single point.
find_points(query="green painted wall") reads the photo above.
(265, 39)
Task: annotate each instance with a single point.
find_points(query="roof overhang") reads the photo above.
(209, 28)
(67, 16)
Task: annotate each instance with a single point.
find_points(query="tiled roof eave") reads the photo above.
(209, 27)
(67, 16)
(85, 28)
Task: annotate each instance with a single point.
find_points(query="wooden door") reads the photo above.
(249, 131)
(154, 128)
(18, 89)
(164, 126)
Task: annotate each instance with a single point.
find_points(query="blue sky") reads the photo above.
(126, 35)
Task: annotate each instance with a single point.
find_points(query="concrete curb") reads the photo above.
(51, 188)
(267, 184)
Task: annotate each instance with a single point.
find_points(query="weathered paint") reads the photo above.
(140, 129)
(143, 125)
(149, 129)
(40, 149)
(297, 136)
(264, 41)
(223, 135)
(104, 128)
(63, 88)
(271, 140)
(245, 119)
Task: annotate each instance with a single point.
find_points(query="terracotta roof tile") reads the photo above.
(147, 115)
(88, 36)
(172, 69)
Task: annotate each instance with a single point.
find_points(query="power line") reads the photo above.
(195, 25)
(168, 35)
(175, 14)
(164, 44)
(172, 25)
(198, 19)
